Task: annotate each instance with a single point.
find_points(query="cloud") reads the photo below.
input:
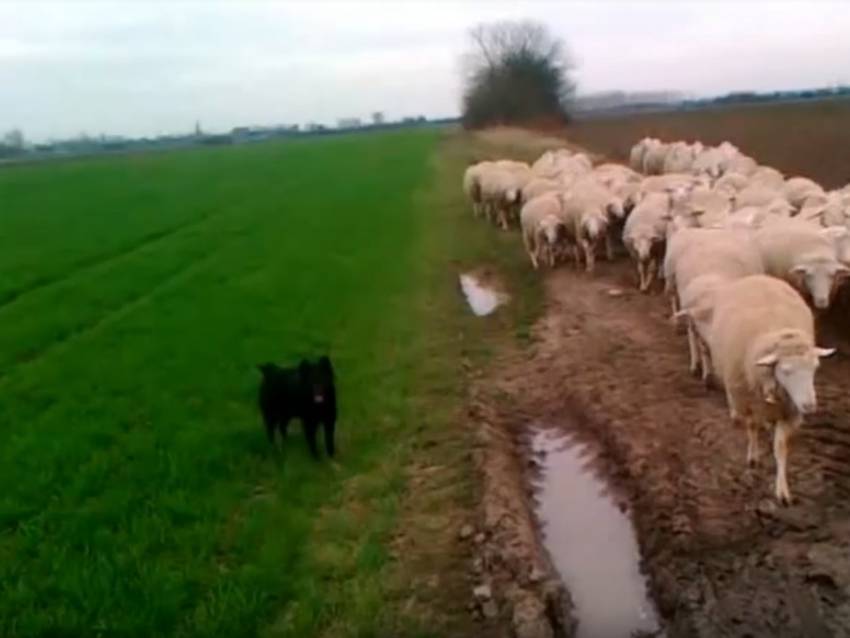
(133, 68)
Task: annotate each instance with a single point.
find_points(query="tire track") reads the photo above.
(9, 297)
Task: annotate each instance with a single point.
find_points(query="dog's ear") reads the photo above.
(266, 368)
(304, 368)
(325, 364)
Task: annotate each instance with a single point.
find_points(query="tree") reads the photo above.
(516, 72)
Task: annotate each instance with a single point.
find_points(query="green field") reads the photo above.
(137, 294)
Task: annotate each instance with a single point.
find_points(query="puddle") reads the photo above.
(482, 299)
(591, 541)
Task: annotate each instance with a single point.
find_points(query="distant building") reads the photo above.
(377, 118)
(348, 122)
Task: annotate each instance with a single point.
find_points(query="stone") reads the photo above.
(466, 531)
(529, 619)
(482, 592)
(480, 537)
(490, 609)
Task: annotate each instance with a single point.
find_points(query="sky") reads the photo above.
(146, 68)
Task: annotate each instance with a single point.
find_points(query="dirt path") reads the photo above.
(722, 558)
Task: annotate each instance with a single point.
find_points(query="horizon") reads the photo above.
(154, 69)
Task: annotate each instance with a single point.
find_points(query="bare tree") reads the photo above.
(515, 72)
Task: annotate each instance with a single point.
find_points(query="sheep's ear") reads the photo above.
(767, 360)
(799, 270)
(824, 352)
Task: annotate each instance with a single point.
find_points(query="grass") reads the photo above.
(805, 138)
(140, 497)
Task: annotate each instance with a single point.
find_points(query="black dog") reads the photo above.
(306, 392)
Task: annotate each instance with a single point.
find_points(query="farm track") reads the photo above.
(723, 558)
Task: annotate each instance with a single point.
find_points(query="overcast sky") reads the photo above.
(145, 68)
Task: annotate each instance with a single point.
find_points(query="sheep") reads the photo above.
(704, 206)
(799, 189)
(768, 177)
(644, 235)
(665, 184)
(653, 158)
(700, 262)
(764, 354)
(709, 162)
(543, 227)
(731, 183)
(472, 185)
(539, 185)
(679, 158)
(760, 195)
(827, 210)
(740, 164)
(574, 166)
(840, 238)
(638, 152)
(797, 251)
(587, 211)
(500, 193)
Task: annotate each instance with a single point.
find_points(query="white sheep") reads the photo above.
(701, 261)
(544, 230)
(644, 235)
(540, 185)
(768, 177)
(828, 209)
(799, 189)
(764, 354)
(679, 158)
(638, 151)
(587, 211)
(798, 252)
(500, 194)
(653, 158)
(472, 185)
(761, 195)
(703, 206)
(731, 183)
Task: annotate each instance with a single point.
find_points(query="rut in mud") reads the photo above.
(721, 557)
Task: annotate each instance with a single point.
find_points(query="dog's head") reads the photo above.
(267, 369)
(318, 379)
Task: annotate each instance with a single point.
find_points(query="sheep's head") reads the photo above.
(594, 225)
(788, 369)
(554, 229)
(819, 278)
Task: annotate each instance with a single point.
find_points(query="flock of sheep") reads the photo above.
(740, 248)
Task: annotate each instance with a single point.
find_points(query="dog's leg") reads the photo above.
(310, 432)
(329, 427)
(269, 421)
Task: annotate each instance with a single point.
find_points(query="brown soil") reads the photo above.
(722, 558)
(804, 138)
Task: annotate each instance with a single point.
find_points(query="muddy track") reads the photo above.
(722, 558)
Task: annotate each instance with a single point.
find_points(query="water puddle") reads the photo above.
(482, 299)
(591, 541)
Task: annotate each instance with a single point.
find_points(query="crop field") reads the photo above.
(137, 295)
(806, 138)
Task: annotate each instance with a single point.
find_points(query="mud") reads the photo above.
(590, 538)
(722, 559)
